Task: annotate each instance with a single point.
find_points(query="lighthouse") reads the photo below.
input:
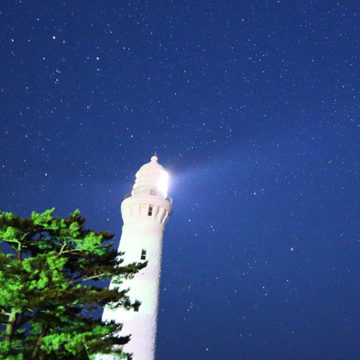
(145, 212)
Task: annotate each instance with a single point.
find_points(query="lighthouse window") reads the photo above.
(143, 254)
(150, 210)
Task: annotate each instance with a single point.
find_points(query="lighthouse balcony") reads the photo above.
(146, 208)
(151, 193)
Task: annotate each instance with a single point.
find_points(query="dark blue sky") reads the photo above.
(253, 106)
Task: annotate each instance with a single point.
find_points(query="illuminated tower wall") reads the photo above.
(145, 213)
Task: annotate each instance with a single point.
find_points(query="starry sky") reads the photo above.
(252, 106)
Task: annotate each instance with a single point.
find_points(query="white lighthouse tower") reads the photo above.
(145, 213)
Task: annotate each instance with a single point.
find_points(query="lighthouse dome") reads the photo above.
(151, 179)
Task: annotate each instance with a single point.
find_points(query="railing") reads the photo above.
(168, 197)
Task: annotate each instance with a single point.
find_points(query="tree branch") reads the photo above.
(74, 251)
(5, 313)
(91, 277)
(62, 249)
(37, 345)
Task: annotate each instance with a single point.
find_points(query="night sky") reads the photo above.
(252, 106)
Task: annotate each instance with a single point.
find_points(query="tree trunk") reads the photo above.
(10, 327)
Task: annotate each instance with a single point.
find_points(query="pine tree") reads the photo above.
(50, 288)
